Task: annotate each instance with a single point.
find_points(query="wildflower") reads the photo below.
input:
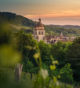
(44, 73)
(36, 55)
(59, 76)
(54, 79)
(55, 62)
(52, 67)
(29, 47)
(57, 83)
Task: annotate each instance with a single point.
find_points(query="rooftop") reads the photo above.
(39, 23)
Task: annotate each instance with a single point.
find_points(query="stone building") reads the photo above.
(39, 32)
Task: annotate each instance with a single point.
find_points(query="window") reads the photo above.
(36, 32)
(39, 33)
(37, 37)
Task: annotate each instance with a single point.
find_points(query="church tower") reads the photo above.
(61, 35)
(39, 32)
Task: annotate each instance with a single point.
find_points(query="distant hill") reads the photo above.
(18, 22)
(15, 19)
(67, 30)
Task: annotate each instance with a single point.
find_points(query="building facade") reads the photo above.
(39, 32)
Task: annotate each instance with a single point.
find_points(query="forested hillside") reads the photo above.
(15, 19)
(19, 22)
(67, 30)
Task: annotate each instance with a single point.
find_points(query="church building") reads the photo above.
(39, 35)
(39, 32)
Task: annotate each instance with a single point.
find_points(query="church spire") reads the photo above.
(61, 35)
(39, 24)
(39, 20)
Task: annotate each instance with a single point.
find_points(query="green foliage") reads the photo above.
(7, 80)
(66, 74)
(73, 57)
(28, 47)
(30, 67)
(54, 71)
(58, 51)
(45, 53)
(44, 65)
(8, 56)
(44, 81)
(5, 33)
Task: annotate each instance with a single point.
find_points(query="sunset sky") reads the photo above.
(51, 11)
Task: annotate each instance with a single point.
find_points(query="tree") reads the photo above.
(58, 51)
(73, 57)
(66, 74)
(28, 47)
(45, 53)
(5, 33)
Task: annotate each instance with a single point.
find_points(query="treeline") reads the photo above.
(44, 65)
(66, 30)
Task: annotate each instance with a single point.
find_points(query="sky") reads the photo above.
(59, 12)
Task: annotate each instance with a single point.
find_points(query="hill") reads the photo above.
(68, 30)
(18, 22)
(16, 19)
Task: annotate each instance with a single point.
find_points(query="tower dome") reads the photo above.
(39, 23)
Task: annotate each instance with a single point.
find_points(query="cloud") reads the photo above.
(55, 14)
(62, 18)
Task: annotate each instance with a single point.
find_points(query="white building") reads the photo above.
(39, 32)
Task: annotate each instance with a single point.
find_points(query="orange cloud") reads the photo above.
(57, 14)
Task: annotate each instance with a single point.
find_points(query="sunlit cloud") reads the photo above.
(57, 14)
(62, 18)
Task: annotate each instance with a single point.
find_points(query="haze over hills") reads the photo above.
(20, 22)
